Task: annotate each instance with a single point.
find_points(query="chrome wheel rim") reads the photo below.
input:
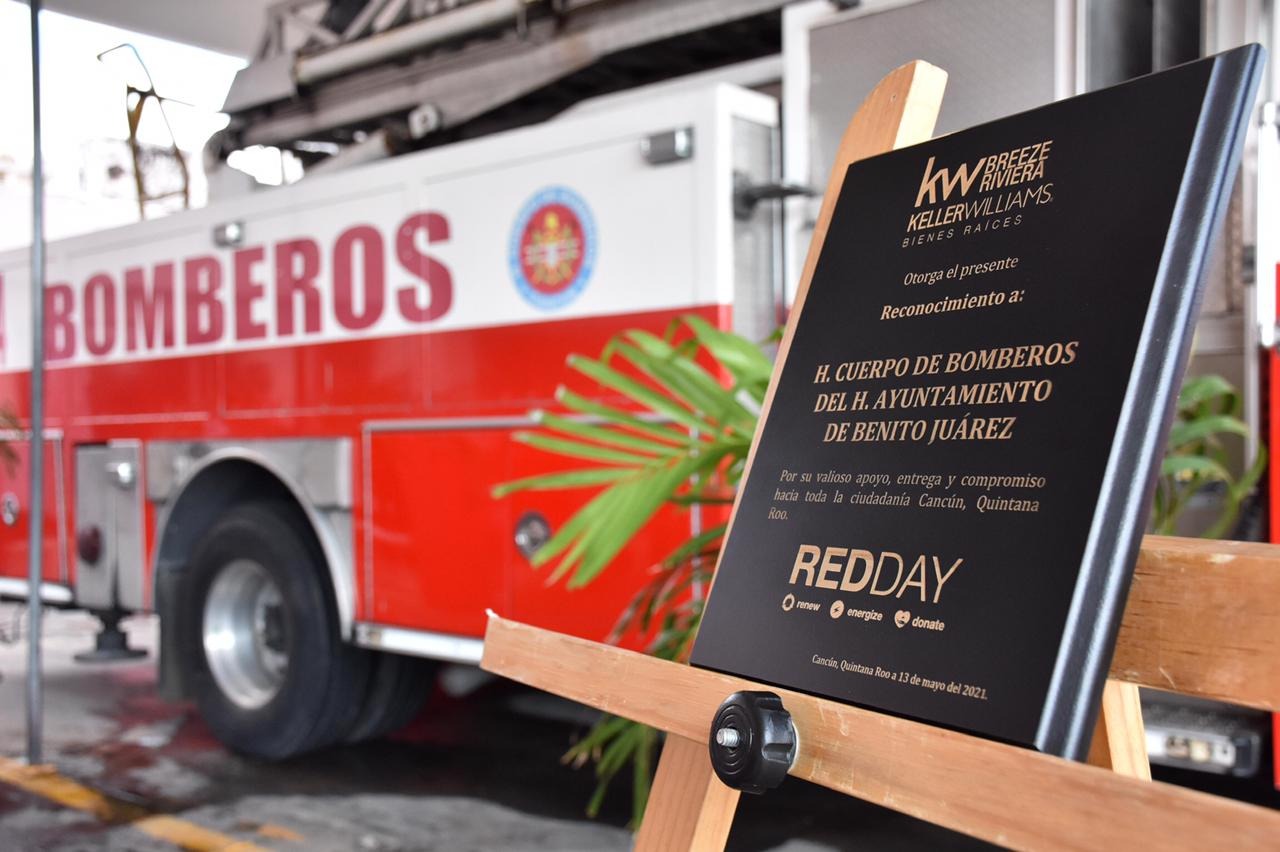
(245, 634)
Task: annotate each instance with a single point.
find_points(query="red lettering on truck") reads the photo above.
(373, 277)
(100, 314)
(202, 279)
(148, 311)
(297, 266)
(59, 322)
(150, 301)
(432, 272)
(248, 290)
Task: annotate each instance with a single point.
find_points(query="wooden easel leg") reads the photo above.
(1120, 741)
(689, 809)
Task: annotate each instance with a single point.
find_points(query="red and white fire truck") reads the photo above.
(277, 421)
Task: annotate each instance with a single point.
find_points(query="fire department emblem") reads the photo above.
(553, 248)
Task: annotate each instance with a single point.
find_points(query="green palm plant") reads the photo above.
(1197, 457)
(687, 406)
(679, 434)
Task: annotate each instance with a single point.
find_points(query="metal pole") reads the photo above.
(35, 538)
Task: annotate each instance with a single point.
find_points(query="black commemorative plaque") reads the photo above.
(952, 481)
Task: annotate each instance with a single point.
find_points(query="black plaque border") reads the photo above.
(1119, 521)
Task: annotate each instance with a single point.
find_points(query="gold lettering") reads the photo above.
(868, 562)
(806, 559)
(942, 578)
(918, 568)
(830, 565)
(875, 590)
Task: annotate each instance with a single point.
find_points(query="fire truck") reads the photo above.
(276, 421)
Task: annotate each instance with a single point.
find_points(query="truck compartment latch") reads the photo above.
(747, 195)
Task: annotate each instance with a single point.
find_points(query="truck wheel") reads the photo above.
(397, 690)
(269, 671)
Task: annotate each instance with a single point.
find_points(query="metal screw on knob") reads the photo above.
(728, 737)
(753, 741)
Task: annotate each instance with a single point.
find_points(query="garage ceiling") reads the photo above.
(227, 26)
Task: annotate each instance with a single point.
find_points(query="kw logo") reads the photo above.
(964, 177)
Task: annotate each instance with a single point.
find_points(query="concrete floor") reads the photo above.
(479, 772)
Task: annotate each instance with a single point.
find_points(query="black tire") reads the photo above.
(320, 692)
(397, 690)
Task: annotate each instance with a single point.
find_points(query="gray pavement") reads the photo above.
(475, 772)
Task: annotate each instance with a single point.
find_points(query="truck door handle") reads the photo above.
(10, 508)
(747, 195)
(532, 531)
(122, 473)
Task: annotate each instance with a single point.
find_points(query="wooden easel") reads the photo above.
(1203, 618)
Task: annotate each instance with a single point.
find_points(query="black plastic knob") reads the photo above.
(753, 741)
